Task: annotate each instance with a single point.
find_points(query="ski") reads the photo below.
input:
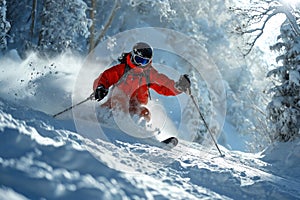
(171, 141)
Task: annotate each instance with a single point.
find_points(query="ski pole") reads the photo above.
(71, 107)
(202, 117)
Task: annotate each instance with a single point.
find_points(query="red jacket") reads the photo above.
(134, 82)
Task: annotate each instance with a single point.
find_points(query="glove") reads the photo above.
(184, 83)
(100, 92)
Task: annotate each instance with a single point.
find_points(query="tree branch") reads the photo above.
(109, 21)
(260, 12)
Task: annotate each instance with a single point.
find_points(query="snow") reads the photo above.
(39, 83)
(42, 157)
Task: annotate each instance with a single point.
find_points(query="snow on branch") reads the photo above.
(253, 20)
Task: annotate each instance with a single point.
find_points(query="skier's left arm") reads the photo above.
(166, 86)
(183, 84)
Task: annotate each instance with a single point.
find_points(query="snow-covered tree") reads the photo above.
(4, 25)
(23, 16)
(64, 26)
(284, 109)
(253, 17)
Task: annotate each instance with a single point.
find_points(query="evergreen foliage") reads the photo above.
(23, 35)
(64, 24)
(284, 109)
(48, 25)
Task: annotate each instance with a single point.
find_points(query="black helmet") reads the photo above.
(142, 54)
(143, 49)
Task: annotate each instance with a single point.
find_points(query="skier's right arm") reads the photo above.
(109, 77)
(100, 92)
(106, 79)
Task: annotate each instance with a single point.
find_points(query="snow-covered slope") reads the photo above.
(42, 157)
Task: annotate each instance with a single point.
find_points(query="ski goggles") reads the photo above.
(140, 60)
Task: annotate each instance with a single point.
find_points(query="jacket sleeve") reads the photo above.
(110, 76)
(162, 84)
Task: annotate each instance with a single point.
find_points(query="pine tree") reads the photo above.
(284, 109)
(64, 26)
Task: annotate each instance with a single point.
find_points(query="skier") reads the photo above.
(134, 76)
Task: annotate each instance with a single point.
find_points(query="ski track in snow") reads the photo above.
(41, 157)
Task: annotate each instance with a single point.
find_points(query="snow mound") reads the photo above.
(43, 84)
(284, 158)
